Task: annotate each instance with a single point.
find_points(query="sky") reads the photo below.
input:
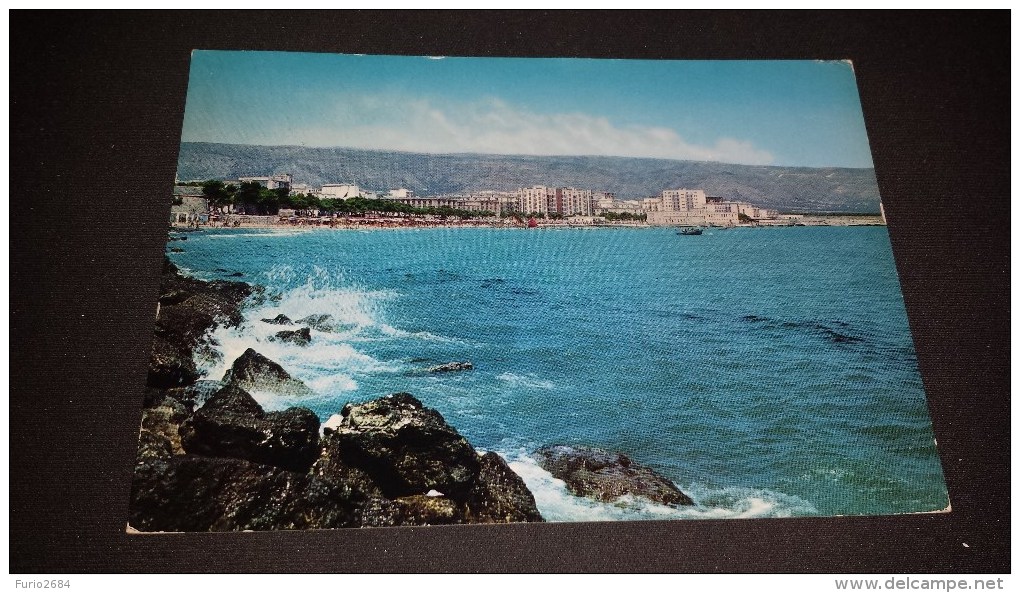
(789, 113)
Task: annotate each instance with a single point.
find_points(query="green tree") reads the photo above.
(218, 194)
(248, 197)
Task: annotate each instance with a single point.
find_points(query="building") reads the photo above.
(564, 201)
(570, 201)
(534, 199)
(633, 207)
(457, 202)
(693, 207)
(680, 207)
(420, 202)
(342, 191)
(193, 208)
(683, 199)
(400, 193)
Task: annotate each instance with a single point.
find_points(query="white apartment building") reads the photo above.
(565, 201)
(651, 204)
(534, 199)
(400, 193)
(570, 201)
(342, 191)
(683, 199)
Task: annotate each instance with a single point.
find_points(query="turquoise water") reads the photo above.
(768, 372)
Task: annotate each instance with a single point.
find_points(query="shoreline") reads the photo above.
(311, 223)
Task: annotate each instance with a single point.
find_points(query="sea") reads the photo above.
(768, 372)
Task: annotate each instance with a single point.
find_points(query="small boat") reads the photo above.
(689, 230)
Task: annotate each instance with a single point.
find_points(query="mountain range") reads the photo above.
(788, 189)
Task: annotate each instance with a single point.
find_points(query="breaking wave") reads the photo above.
(556, 503)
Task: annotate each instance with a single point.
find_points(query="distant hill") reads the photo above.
(789, 189)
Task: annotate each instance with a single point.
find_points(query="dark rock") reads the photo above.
(153, 397)
(159, 436)
(170, 365)
(299, 337)
(406, 448)
(331, 467)
(320, 322)
(252, 371)
(280, 319)
(190, 493)
(174, 297)
(606, 476)
(427, 510)
(176, 250)
(153, 447)
(389, 462)
(451, 366)
(410, 511)
(188, 309)
(195, 395)
(232, 398)
(235, 275)
(500, 495)
(232, 424)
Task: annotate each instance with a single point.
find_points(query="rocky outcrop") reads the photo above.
(195, 395)
(159, 437)
(606, 476)
(233, 424)
(280, 319)
(417, 469)
(298, 337)
(210, 458)
(188, 309)
(170, 365)
(192, 493)
(405, 447)
(499, 495)
(451, 367)
(252, 371)
(321, 322)
(231, 466)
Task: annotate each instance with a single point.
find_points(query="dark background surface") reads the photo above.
(96, 106)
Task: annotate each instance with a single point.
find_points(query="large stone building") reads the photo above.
(693, 207)
(190, 207)
(457, 202)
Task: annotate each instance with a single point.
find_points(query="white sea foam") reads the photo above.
(331, 363)
(528, 381)
(556, 503)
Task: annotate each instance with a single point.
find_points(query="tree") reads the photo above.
(248, 197)
(269, 200)
(219, 195)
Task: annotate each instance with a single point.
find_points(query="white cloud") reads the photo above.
(493, 126)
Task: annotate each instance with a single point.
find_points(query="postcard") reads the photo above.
(434, 290)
